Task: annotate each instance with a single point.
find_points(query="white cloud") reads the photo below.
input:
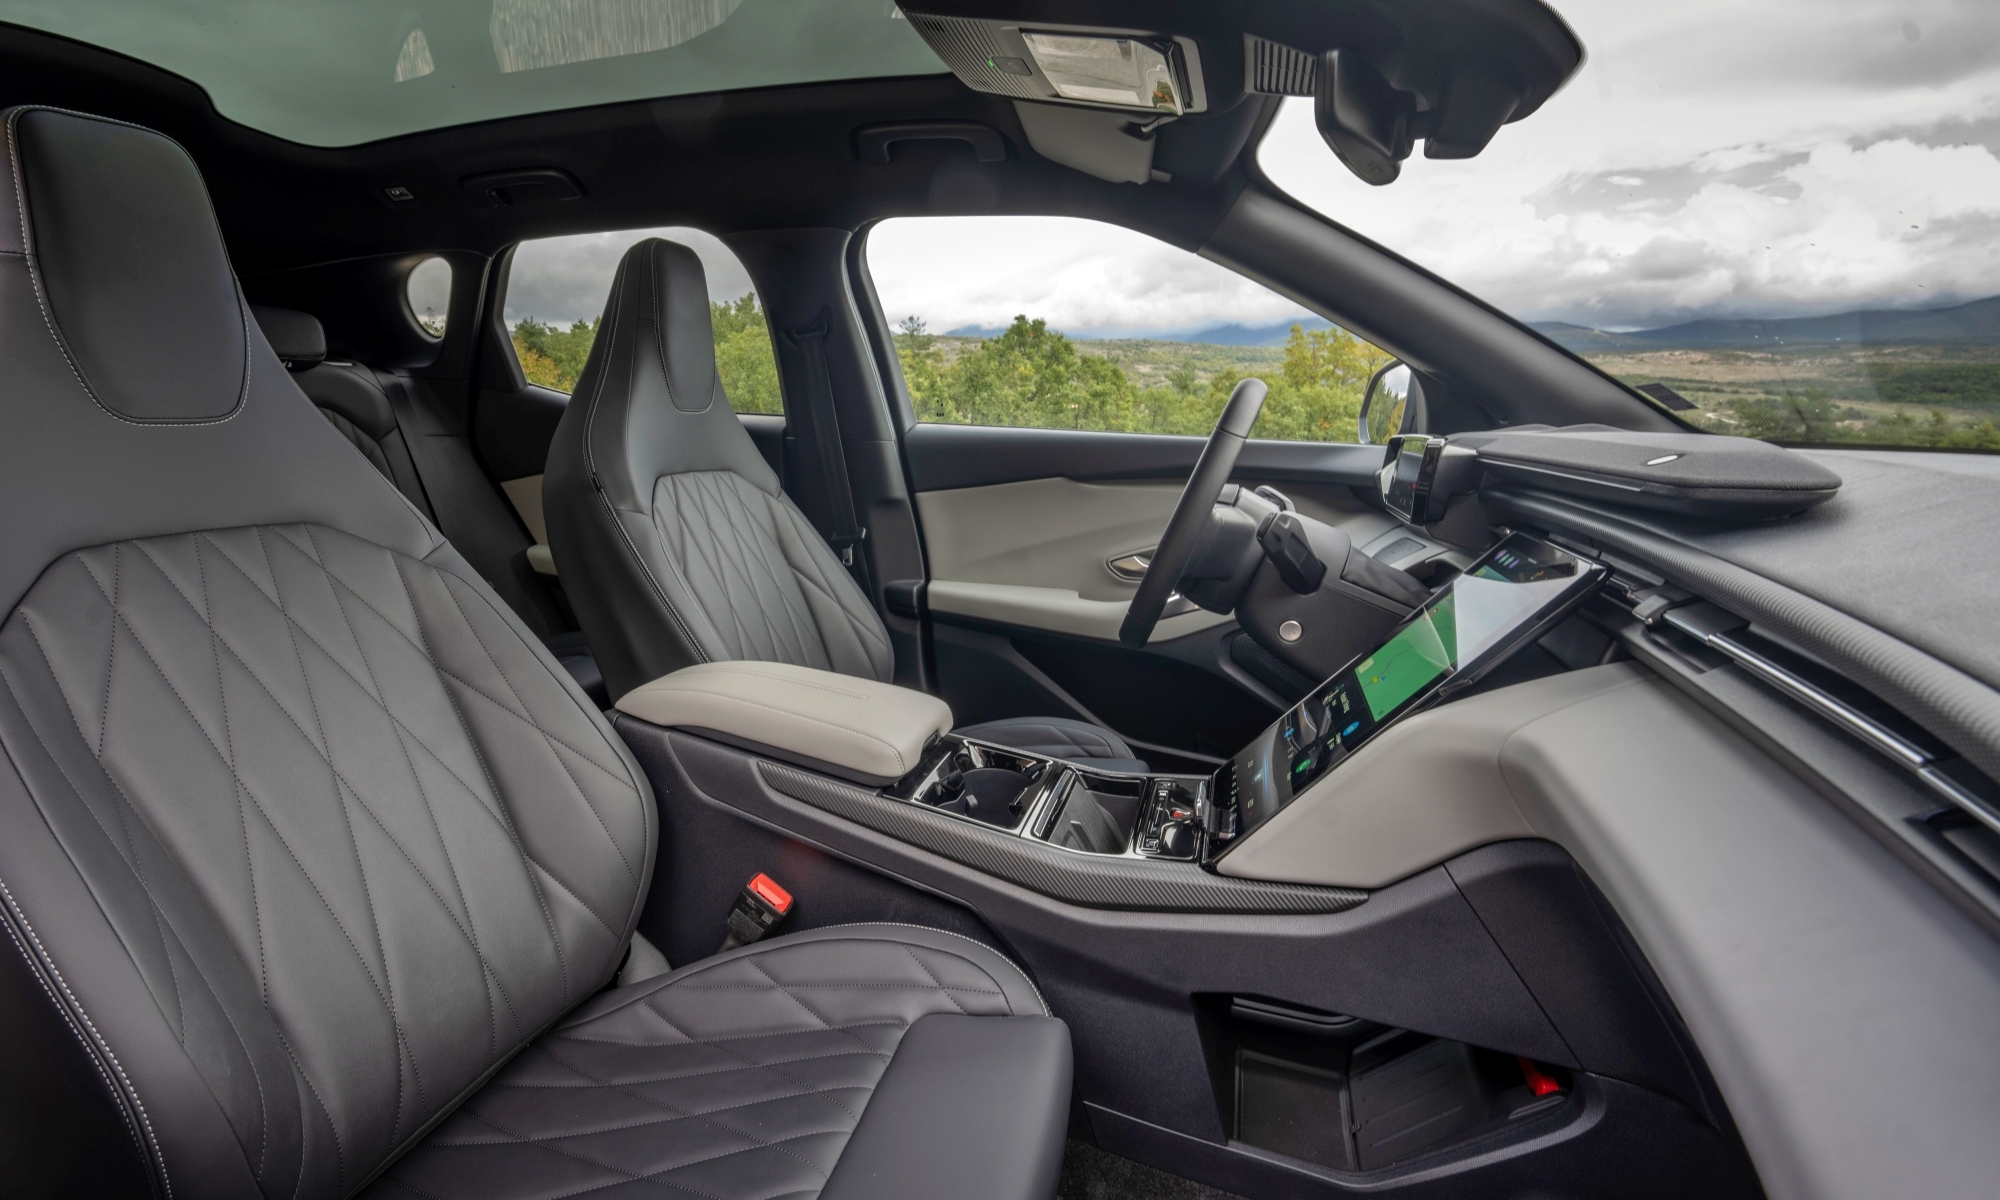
(565, 279)
(1713, 159)
(1079, 275)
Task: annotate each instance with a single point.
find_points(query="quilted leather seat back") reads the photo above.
(672, 532)
(302, 834)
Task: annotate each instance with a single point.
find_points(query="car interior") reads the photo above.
(425, 782)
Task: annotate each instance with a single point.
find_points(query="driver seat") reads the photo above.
(676, 542)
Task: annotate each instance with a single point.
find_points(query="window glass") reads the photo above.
(555, 301)
(1779, 220)
(1063, 323)
(429, 292)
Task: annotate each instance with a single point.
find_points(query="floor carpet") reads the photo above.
(1091, 1174)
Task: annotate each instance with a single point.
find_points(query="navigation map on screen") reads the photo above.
(1423, 650)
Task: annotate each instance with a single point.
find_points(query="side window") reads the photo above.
(555, 303)
(428, 289)
(1065, 323)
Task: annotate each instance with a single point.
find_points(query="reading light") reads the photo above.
(1108, 70)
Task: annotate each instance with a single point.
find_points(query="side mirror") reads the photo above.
(1386, 408)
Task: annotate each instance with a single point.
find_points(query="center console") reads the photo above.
(1065, 804)
(1508, 597)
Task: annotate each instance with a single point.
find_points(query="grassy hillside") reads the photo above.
(1944, 396)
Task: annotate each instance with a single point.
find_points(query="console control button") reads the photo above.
(1177, 839)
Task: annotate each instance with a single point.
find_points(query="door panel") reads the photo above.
(1025, 610)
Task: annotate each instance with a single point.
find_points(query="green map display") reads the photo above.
(1425, 649)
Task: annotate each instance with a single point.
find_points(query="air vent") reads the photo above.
(1276, 70)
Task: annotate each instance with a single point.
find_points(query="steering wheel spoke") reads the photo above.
(1204, 488)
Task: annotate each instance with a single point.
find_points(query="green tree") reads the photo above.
(744, 357)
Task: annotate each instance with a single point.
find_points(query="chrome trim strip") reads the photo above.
(1883, 740)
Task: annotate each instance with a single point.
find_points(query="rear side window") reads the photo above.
(555, 303)
(429, 292)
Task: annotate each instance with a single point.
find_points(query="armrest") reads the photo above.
(857, 729)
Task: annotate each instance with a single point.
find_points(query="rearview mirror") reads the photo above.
(1385, 407)
(1364, 119)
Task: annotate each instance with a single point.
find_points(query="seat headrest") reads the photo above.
(296, 337)
(128, 265)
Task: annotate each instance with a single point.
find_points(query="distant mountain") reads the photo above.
(1249, 335)
(1977, 321)
(1232, 334)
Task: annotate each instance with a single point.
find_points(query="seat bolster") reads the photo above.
(54, 923)
(973, 1107)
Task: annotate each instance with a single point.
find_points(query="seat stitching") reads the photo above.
(867, 983)
(479, 756)
(471, 928)
(688, 548)
(258, 805)
(759, 968)
(131, 855)
(347, 823)
(428, 656)
(748, 1064)
(614, 317)
(799, 615)
(48, 319)
(782, 505)
(786, 1075)
(585, 1158)
(127, 1092)
(681, 1114)
(547, 738)
(343, 781)
(379, 700)
(695, 970)
(911, 951)
(678, 1114)
(732, 1037)
(738, 523)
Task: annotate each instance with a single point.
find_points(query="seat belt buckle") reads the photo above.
(844, 543)
(760, 905)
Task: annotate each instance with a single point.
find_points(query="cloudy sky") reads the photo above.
(1712, 158)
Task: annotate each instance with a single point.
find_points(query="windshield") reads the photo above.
(1780, 220)
(338, 74)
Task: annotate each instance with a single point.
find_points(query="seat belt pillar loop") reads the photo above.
(846, 532)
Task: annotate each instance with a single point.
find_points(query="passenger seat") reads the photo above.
(350, 395)
(315, 874)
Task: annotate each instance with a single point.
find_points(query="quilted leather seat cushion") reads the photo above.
(360, 838)
(747, 1076)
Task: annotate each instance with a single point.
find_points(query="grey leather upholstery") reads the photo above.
(677, 544)
(303, 835)
(765, 1072)
(348, 395)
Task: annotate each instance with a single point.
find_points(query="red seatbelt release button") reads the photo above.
(760, 905)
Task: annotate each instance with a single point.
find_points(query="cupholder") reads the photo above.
(988, 795)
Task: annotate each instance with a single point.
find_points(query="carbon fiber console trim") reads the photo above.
(1090, 880)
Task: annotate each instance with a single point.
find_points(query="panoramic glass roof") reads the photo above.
(336, 74)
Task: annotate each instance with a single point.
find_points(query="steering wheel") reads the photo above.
(1204, 488)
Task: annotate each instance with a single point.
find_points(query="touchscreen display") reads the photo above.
(1466, 629)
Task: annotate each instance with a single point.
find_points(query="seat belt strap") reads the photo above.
(824, 433)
